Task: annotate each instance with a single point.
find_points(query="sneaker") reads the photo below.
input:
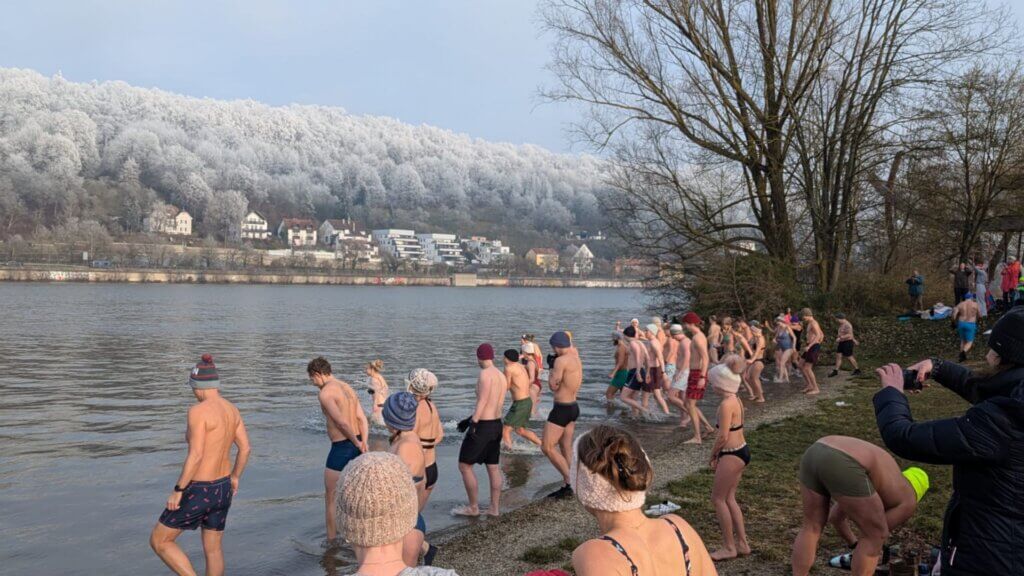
(855, 372)
(833, 374)
(562, 493)
(963, 356)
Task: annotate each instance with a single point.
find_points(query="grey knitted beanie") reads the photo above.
(376, 500)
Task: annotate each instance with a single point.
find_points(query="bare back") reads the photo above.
(814, 333)
(698, 351)
(654, 548)
(220, 421)
(518, 380)
(428, 429)
(882, 469)
(339, 398)
(491, 389)
(567, 376)
(655, 353)
(966, 311)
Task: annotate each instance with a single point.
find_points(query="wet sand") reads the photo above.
(495, 546)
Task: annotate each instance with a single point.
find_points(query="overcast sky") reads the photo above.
(472, 66)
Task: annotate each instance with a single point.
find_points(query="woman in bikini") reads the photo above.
(377, 386)
(399, 414)
(610, 474)
(729, 457)
(785, 341)
(421, 383)
(528, 347)
(752, 375)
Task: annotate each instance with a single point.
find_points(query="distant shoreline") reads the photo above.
(186, 276)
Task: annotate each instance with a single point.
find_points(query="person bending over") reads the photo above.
(611, 475)
(984, 520)
(867, 487)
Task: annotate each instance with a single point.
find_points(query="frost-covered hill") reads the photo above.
(109, 151)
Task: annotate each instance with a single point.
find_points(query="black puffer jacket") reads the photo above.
(983, 530)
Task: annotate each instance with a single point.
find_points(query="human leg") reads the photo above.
(868, 513)
(528, 435)
(837, 518)
(412, 546)
(162, 541)
(330, 483)
(629, 399)
(506, 436)
(469, 481)
(805, 546)
(214, 552)
(695, 417)
(494, 479)
(551, 447)
(727, 477)
(661, 400)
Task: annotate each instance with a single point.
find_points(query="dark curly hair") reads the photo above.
(617, 456)
(319, 365)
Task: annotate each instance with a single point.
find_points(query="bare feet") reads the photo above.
(694, 440)
(469, 511)
(723, 554)
(812, 392)
(743, 548)
(760, 400)
(493, 513)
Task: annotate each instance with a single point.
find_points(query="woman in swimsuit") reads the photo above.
(377, 386)
(529, 346)
(421, 383)
(785, 341)
(752, 375)
(729, 457)
(610, 474)
(400, 418)
(714, 339)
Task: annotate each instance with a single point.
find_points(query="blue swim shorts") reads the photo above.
(966, 330)
(341, 454)
(203, 504)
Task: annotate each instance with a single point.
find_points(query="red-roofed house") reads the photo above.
(297, 232)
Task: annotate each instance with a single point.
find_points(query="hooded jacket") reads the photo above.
(983, 528)
(1011, 275)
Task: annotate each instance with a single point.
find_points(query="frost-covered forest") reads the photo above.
(110, 152)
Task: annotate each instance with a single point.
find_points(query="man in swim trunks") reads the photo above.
(518, 416)
(655, 381)
(813, 336)
(697, 379)
(207, 483)
(965, 315)
(347, 429)
(867, 487)
(566, 378)
(620, 371)
(482, 443)
(683, 347)
(844, 345)
(636, 370)
(528, 357)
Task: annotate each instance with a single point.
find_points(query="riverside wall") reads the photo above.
(148, 276)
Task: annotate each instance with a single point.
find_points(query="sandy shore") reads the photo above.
(495, 546)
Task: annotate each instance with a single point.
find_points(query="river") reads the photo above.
(92, 421)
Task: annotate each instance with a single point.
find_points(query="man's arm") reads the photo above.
(481, 399)
(557, 372)
(242, 456)
(975, 437)
(333, 411)
(196, 436)
(702, 352)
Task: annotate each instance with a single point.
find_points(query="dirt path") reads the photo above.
(496, 546)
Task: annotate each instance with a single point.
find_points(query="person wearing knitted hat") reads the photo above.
(611, 475)
(654, 384)
(696, 383)
(208, 481)
(729, 457)
(983, 446)
(518, 416)
(421, 383)
(620, 370)
(482, 443)
(565, 381)
(868, 488)
(399, 413)
(680, 350)
(531, 360)
(347, 429)
(376, 508)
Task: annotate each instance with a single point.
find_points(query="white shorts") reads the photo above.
(680, 382)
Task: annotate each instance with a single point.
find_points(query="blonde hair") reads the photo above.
(377, 365)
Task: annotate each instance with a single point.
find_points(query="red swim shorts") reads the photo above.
(694, 391)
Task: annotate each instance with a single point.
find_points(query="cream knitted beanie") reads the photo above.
(597, 493)
(723, 378)
(376, 500)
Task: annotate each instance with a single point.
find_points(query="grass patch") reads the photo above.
(543, 555)
(569, 544)
(769, 492)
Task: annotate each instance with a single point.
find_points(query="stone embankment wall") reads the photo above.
(221, 277)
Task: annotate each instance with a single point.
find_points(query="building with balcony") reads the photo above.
(254, 227)
(168, 220)
(442, 249)
(486, 252)
(297, 232)
(400, 244)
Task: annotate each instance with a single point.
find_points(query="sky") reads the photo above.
(471, 66)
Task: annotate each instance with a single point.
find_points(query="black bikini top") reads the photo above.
(632, 567)
(428, 443)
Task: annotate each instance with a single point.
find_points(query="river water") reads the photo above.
(94, 395)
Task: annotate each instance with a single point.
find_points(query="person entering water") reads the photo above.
(565, 381)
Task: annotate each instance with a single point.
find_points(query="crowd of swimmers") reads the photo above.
(374, 500)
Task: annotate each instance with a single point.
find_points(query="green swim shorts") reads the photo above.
(519, 414)
(832, 472)
(619, 380)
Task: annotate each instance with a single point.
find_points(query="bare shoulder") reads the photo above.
(594, 557)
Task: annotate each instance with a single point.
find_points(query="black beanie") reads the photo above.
(1007, 338)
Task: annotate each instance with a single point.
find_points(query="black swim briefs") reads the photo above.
(482, 444)
(431, 474)
(845, 348)
(563, 414)
(203, 504)
(811, 356)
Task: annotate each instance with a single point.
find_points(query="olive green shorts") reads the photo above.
(831, 472)
(519, 414)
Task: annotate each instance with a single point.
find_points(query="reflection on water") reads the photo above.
(93, 381)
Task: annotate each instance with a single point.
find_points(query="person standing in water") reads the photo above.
(965, 315)
(697, 379)
(636, 370)
(565, 381)
(400, 419)
(421, 383)
(620, 370)
(347, 429)
(729, 457)
(528, 358)
(681, 374)
(518, 417)
(482, 443)
(655, 381)
(208, 482)
(813, 337)
(377, 386)
(845, 342)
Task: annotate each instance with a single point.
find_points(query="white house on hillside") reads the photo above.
(299, 232)
(578, 261)
(442, 249)
(254, 227)
(349, 240)
(486, 251)
(401, 244)
(168, 220)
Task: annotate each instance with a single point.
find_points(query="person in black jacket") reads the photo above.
(983, 529)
